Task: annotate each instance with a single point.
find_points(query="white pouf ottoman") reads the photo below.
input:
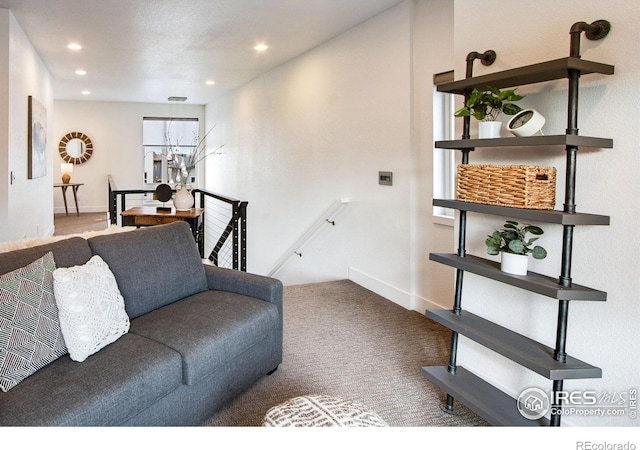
(321, 411)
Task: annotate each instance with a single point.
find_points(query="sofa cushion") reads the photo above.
(108, 388)
(154, 266)
(30, 336)
(209, 329)
(66, 253)
(90, 307)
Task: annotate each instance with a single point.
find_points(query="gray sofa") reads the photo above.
(199, 336)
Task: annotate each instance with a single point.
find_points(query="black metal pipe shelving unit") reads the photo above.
(487, 401)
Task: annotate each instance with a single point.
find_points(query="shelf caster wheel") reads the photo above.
(449, 410)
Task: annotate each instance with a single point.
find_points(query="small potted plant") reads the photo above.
(512, 242)
(487, 105)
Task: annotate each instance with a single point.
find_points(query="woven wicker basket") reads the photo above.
(531, 187)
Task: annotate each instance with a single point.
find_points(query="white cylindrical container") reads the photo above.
(489, 129)
(514, 264)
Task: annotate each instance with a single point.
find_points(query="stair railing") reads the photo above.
(327, 218)
(225, 223)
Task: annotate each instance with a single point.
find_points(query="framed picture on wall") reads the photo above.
(37, 140)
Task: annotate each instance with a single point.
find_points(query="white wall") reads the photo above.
(432, 53)
(115, 129)
(317, 129)
(26, 208)
(605, 258)
(320, 128)
(4, 121)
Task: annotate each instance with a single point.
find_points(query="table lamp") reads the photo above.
(66, 169)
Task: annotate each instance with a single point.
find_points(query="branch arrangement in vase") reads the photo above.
(183, 164)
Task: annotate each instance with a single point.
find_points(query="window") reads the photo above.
(443, 160)
(163, 139)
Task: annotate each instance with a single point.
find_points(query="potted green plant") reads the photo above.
(487, 105)
(514, 246)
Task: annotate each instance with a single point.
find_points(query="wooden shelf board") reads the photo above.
(533, 282)
(535, 73)
(516, 347)
(482, 398)
(542, 215)
(528, 141)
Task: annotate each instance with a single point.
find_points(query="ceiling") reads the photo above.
(148, 50)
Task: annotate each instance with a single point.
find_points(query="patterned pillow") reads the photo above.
(90, 306)
(30, 336)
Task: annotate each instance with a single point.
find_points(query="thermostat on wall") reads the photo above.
(385, 178)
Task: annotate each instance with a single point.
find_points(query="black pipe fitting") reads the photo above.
(593, 31)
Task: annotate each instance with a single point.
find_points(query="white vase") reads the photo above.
(183, 199)
(489, 129)
(514, 264)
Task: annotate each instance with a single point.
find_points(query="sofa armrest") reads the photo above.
(252, 285)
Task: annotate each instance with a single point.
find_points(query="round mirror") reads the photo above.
(75, 148)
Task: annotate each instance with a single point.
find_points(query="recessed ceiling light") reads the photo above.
(177, 99)
(74, 46)
(210, 82)
(81, 72)
(261, 47)
(86, 92)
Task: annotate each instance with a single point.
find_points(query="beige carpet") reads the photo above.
(72, 223)
(345, 341)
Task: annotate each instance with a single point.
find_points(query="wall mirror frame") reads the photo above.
(75, 152)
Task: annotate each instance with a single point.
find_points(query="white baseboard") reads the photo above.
(83, 209)
(381, 288)
(422, 304)
(392, 293)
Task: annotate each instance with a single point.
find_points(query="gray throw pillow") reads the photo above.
(30, 336)
(154, 266)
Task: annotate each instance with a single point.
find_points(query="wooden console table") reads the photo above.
(74, 187)
(145, 216)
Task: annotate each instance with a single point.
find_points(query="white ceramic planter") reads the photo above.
(489, 129)
(514, 264)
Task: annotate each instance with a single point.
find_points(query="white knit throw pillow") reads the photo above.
(90, 307)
